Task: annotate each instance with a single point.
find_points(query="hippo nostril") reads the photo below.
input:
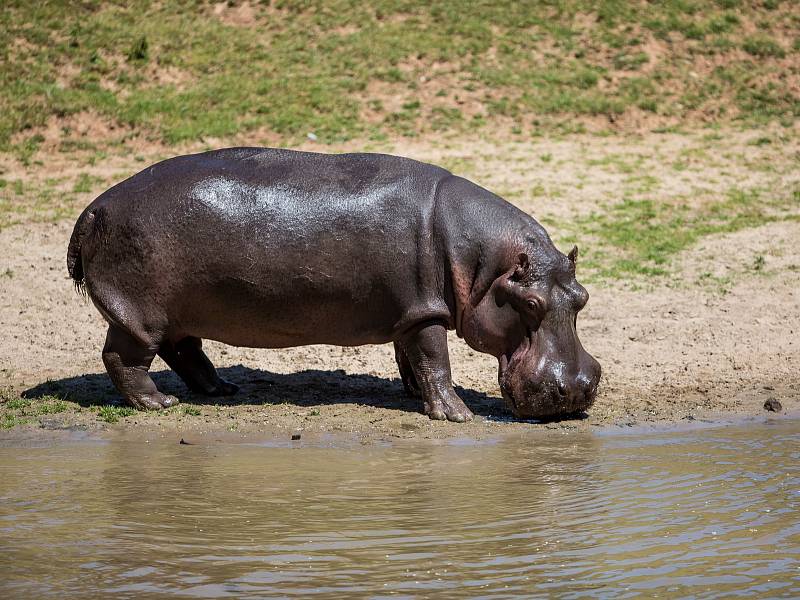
(590, 388)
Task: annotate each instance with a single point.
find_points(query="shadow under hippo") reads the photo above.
(304, 389)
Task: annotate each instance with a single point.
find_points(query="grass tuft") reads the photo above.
(762, 46)
(139, 50)
(111, 414)
(16, 410)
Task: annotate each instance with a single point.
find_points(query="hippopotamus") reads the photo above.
(274, 248)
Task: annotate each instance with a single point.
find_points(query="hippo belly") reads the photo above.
(332, 272)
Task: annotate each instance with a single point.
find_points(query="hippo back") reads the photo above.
(259, 247)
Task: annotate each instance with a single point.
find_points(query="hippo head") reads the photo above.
(528, 320)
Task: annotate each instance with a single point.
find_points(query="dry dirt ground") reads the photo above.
(674, 349)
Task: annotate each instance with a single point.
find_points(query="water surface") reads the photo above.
(711, 512)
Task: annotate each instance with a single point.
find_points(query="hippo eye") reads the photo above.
(536, 307)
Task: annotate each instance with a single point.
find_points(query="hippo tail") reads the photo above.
(86, 225)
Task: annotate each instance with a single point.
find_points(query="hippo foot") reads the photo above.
(223, 388)
(154, 401)
(449, 408)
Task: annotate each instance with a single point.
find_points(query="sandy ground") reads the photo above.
(674, 351)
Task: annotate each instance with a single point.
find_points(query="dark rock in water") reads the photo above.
(185, 443)
(295, 436)
(773, 405)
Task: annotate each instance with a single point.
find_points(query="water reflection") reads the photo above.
(578, 515)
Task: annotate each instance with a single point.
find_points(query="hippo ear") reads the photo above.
(573, 254)
(522, 268)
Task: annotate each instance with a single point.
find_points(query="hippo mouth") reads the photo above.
(509, 366)
(529, 397)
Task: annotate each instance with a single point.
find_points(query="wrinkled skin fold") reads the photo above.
(273, 248)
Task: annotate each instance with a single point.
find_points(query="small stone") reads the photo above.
(295, 436)
(773, 405)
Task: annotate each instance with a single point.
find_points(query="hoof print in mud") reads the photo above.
(272, 248)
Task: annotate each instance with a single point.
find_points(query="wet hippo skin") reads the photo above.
(275, 248)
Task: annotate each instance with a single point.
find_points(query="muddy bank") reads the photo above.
(672, 353)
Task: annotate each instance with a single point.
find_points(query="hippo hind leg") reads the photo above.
(425, 348)
(190, 363)
(127, 361)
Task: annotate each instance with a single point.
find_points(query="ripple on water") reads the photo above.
(690, 513)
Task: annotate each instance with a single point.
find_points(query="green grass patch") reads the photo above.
(620, 163)
(15, 410)
(763, 45)
(36, 200)
(86, 183)
(639, 237)
(177, 71)
(111, 414)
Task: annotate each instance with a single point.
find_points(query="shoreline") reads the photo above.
(57, 429)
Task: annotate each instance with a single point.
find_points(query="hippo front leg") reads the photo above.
(426, 351)
(406, 372)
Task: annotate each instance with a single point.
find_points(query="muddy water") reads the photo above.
(705, 513)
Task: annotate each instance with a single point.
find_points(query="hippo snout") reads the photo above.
(553, 394)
